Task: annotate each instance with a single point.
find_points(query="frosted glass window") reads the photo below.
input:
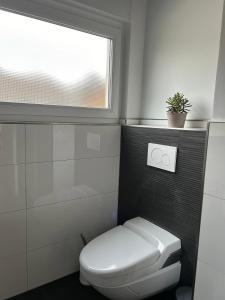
(45, 63)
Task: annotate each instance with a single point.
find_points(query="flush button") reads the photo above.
(162, 157)
(156, 155)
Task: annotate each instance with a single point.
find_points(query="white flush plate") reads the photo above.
(162, 157)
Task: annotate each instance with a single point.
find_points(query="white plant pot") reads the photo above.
(176, 120)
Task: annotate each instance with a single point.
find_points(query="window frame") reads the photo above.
(68, 15)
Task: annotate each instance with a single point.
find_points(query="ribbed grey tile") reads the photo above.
(170, 200)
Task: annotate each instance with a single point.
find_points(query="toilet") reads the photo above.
(132, 261)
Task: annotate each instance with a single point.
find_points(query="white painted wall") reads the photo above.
(210, 277)
(181, 54)
(131, 103)
(56, 181)
(219, 101)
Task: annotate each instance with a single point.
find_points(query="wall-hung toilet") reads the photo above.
(132, 261)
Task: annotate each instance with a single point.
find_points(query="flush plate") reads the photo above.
(162, 157)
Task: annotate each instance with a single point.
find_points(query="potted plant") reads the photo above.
(178, 107)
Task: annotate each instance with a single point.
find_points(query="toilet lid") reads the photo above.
(117, 250)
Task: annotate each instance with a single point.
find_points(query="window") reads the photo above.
(49, 64)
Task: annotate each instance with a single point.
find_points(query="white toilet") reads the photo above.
(133, 261)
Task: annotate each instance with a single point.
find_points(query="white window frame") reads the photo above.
(67, 13)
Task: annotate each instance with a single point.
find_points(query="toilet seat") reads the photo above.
(131, 261)
(117, 254)
(117, 251)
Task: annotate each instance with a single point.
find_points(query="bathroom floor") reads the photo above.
(69, 288)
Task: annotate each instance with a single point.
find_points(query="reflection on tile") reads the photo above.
(67, 220)
(12, 144)
(97, 141)
(99, 214)
(215, 168)
(72, 179)
(49, 142)
(53, 223)
(211, 235)
(53, 262)
(61, 142)
(12, 233)
(209, 283)
(71, 188)
(13, 276)
(97, 175)
(93, 142)
(12, 187)
(51, 182)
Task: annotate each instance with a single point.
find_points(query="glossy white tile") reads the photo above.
(12, 233)
(71, 174)
(49, 142)
(61, 142)
(12, 188)
(12, 144)
(97, 175)
(209, 283)
(212, 233)
(53, 262)
(99, 214)
(97, 141)
(72, 179)
(215, 166)
(13, 276)
(67, 220)
(53, 223)
(51, 182)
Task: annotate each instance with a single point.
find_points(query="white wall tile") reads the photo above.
(97, 141)
(64, 221)
(51, 182)
(97, 175)
(71, 188)
(12, 233)
(209, 284)
(49, 142)
(212, 233)
(12, 144)
(13, 276)
(94, 216)
(99, 214)
(53, 223)
(68, 180)
(53, 262)
(210, 277)
(12, 187)
(61, 142)
(215, 165)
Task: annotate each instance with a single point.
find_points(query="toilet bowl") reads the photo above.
(132, 261)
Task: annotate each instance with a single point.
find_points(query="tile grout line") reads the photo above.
(25, 163)
(13, 164)
(72, 200)
(58, 202)
(71, 159)
(214, 196)
(12, 211)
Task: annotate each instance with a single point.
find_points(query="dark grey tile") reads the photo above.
(170, 200)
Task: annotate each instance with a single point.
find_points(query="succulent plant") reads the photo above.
(178, 104)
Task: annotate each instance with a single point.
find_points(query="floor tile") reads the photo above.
(69, 288)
